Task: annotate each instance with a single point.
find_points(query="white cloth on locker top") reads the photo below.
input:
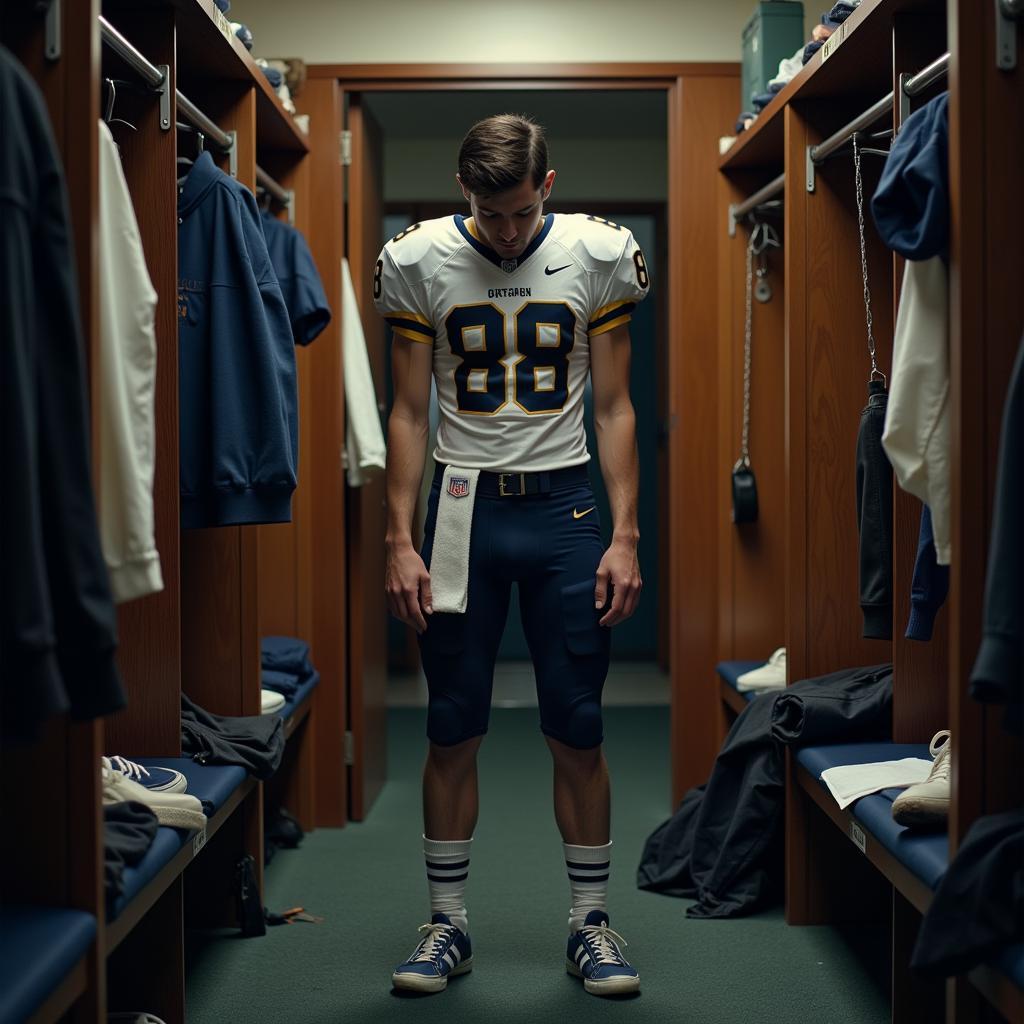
(127, 389)
(849, 782)
(364, 439)
(918, 424)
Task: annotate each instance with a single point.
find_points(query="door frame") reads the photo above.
(691, 650)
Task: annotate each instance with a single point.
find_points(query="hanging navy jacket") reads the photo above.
(299, 279)
(58, 626)
(236, 360)
(911, 203)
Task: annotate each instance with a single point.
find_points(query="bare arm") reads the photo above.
(407, 581)
(615, 425)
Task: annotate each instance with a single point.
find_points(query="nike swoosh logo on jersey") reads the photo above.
(549, 271)
(580, 515)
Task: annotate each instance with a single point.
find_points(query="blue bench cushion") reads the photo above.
(212, 783)
(38, 948)
(730, 671)
(924, 854)
(304, 690)
(167, 843)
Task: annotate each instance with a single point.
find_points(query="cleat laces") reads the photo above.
(433, 942)
(603, 939)
(128, 768)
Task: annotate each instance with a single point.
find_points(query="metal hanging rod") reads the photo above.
(913, 85)
(285, 196)
(737, 211)
(221, 139)
(148, 72)
(155, 76)
(819, 153)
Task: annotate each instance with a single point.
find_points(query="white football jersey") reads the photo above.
(511, 338)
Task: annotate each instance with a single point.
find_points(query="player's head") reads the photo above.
(503, 173)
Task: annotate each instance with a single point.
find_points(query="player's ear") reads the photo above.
(549, 180)
(465, 191)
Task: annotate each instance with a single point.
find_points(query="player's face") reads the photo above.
(508, 221)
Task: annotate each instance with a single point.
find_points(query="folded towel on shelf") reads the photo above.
(286, 654)
(849, 782)
(282, 682)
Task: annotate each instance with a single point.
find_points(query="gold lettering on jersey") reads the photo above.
(509, 293)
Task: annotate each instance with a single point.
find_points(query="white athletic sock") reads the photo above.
(588, 868)
(447, 871)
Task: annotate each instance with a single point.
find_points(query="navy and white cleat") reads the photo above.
(443, 952)
(593, 954)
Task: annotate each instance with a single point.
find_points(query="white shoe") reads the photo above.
(156, 780)
(770, 676)
(927, 803)
(271, 701)
(177, 810)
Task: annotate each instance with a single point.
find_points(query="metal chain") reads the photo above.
(875, 371)
(747, 339)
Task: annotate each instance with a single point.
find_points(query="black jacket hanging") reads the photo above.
(58, 626)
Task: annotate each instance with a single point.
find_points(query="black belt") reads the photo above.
(516, 485)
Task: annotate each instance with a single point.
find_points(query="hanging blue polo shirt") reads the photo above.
(236, 360)
(299, 279)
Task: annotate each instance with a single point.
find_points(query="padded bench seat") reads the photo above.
(212, 784)
(925, 854)
(730, 671)
(39, 946)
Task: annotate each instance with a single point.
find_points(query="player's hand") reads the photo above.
(407, 584)
(619, 571)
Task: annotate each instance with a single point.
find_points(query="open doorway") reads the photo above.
(610, 152)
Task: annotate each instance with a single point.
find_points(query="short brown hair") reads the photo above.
(500, 152)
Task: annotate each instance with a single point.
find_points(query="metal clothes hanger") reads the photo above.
(111, 85)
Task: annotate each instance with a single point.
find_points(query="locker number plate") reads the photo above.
(198, 841)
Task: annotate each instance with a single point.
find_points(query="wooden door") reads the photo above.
(367, 608)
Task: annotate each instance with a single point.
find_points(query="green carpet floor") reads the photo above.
(367, 882)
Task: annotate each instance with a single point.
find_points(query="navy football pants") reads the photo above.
(538, 542)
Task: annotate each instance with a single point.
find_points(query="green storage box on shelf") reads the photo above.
(775, 31)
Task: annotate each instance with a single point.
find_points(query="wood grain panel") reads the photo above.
(149, 655)
(322, 100)
(367, 693)
(836, 374)
(481, 73)
(698, 107)
(797, 201)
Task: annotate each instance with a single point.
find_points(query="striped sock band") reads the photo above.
(588, 868)
(447, 871)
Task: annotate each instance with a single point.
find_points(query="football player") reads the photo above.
(509, 310)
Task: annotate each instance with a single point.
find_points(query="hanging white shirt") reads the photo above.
(918, 430)
(127, 388)
(364, 439)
